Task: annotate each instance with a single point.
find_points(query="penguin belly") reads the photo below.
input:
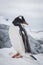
(16, 39)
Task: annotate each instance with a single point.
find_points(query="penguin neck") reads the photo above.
(17, 25)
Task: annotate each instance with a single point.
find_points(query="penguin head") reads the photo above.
(19, 20)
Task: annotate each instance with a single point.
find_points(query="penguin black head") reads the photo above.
(19, 20)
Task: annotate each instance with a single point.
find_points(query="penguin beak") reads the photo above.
(26, 23)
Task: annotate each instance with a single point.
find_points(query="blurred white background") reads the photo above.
(32, 10)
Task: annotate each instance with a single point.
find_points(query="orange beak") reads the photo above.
(26, 23)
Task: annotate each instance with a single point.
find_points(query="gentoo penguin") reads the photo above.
(16, 39)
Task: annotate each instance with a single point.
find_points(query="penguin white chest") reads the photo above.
(16, 39)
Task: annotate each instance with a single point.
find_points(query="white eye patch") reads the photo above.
(20, 18)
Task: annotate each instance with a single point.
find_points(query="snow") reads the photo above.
(3, 20)
(5, 59)
(35, 35)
